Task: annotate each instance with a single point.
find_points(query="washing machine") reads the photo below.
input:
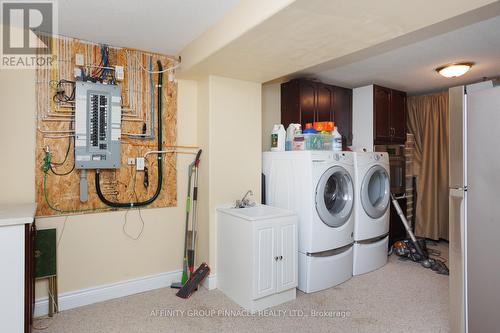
(371, 211)
(319, 187)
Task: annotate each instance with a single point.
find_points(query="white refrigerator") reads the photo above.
(474, 171)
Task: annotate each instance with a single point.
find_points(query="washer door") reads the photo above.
(375, 192)
(334, 196)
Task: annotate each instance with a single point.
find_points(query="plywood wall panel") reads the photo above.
(124, 184)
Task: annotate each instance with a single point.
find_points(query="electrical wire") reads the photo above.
(45, 168)
(160, 165)
(67, 152)
(64, 173)
(51, 319)
(58, 164)
(62, 232)
(154, 72)
(140, 214)
(60, 95)
(65, 211)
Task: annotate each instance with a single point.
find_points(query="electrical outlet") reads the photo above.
(131, 161)
(79, 60)
(77, 72)
(119, 75)
(140, 163)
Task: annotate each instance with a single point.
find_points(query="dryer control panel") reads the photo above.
(324, 156)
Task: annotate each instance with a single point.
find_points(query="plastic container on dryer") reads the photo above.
(313, 142)
(291, 132)
(278, 136)
(336, 140)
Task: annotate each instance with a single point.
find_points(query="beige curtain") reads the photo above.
(428, 121)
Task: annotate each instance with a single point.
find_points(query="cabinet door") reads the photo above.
(398, 116)
(382, 103)
(264, 261)
(287, 254)
(324, 102)
(342, 113)
(290, 103)
(307, 102)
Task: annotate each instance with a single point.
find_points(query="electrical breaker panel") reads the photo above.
(97, 126)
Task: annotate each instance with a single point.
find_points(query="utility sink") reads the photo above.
(258, 212)
(257, 257)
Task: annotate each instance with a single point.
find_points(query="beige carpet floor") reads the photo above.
(400, 297)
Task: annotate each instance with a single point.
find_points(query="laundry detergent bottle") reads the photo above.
(291, 132)
(278, 136)
(337, 140)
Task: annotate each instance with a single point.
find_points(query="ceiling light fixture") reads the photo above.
(454, 70)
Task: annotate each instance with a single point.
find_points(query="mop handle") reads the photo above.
(195, 204)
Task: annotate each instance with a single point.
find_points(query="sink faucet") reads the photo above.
(245, 202)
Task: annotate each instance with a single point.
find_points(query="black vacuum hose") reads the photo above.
(160, 168)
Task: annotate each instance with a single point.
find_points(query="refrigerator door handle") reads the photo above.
(456, 190)
(456, 193)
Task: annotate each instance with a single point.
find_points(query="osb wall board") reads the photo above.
(119, 185)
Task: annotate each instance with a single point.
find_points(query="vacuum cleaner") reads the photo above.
(416, 250)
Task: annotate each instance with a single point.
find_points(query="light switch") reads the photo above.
(139, 163)
(119, 75)
(79, 60)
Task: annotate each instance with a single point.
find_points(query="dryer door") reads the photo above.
(375, 191)
(334, 196)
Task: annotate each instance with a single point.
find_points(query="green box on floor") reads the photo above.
(45, 253)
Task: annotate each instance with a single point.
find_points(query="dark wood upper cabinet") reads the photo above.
(324, 103)
(398, 116)
(381, 116)
(304, 101)
(389, 115)
(342, 112)
(307, 103)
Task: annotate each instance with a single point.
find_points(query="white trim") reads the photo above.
(102, 293)
(210, 282)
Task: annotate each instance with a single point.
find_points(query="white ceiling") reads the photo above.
(411, 68)
(308, 33)
(163, 26)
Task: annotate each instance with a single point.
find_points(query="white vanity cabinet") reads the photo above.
(257, 255)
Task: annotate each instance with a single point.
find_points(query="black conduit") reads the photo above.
(160, 169)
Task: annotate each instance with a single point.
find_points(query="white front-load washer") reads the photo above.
(319, 187)
(371, 211)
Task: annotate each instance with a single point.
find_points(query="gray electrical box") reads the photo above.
(98, 116)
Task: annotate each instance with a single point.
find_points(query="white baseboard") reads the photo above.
(210, 282)
(102, 293)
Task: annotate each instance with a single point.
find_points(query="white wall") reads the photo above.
(271, 111)
(235, 145)
(203, 130)
(229, 129)
(221, 115)
(93, 249)
(362, 118)
(17, 134)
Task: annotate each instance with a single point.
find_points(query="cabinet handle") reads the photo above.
(276, 258)
(281, 257)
